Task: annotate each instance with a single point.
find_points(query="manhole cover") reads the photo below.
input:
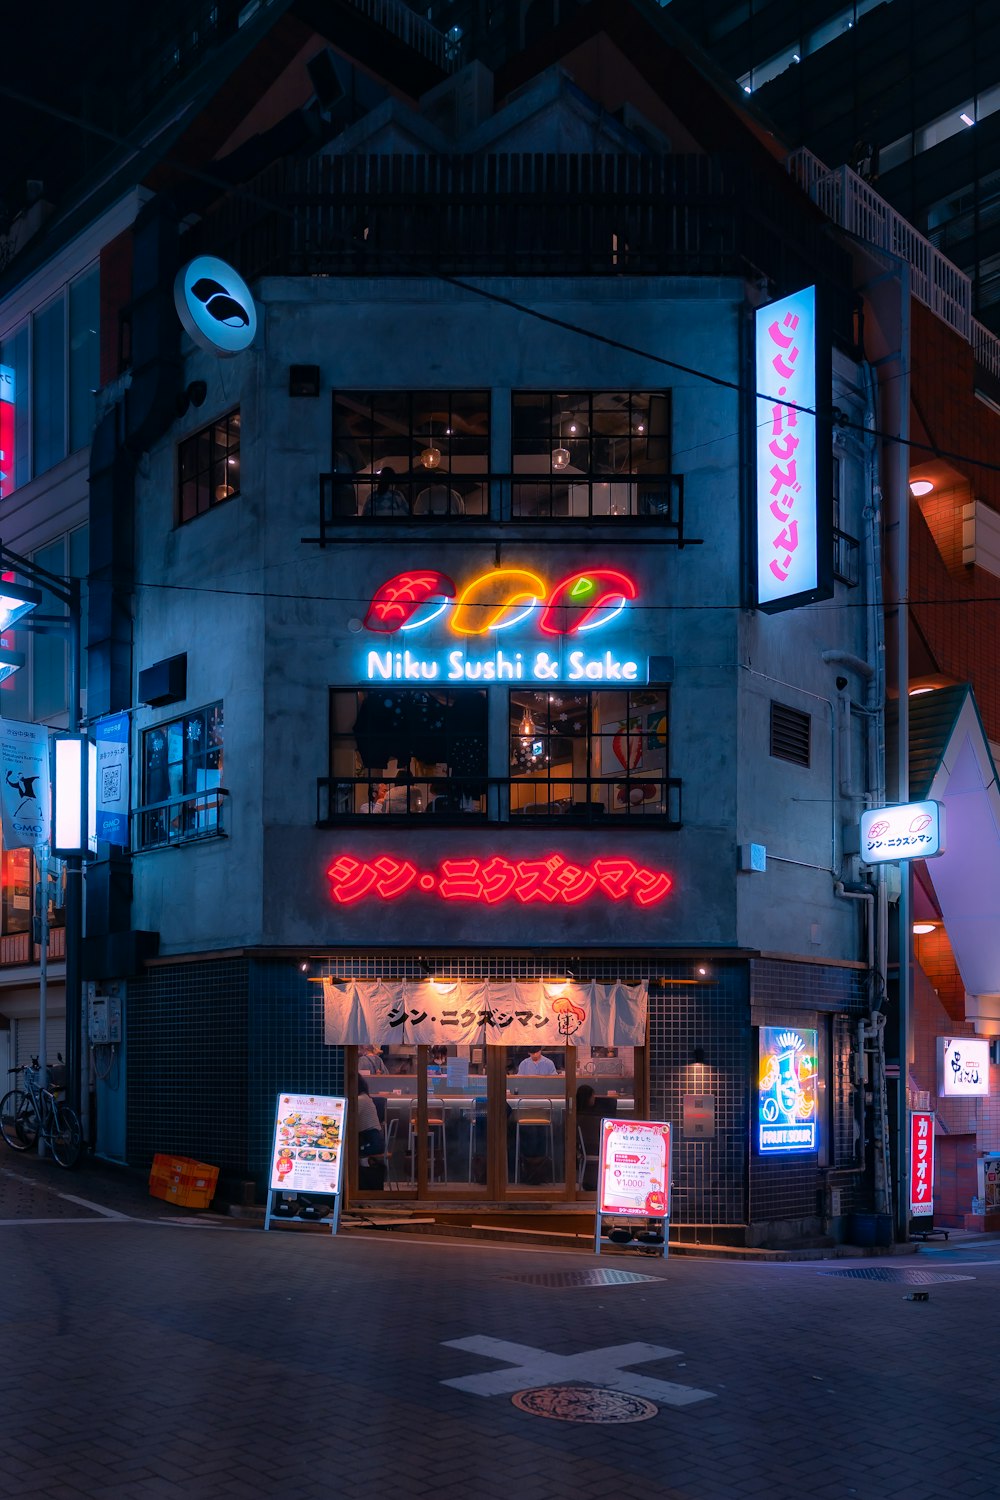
(583, 1403)
(897, 1274)
(579, 1278)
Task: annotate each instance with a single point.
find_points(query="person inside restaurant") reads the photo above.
(536, 1064)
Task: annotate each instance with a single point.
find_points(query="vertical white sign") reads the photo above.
(785, 376)
(24, 784)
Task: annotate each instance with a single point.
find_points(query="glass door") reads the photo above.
(610, 1084)
(536, 1096)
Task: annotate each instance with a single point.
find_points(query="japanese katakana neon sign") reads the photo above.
(491, 604)
(792, 567)
(921, 1164)
(549, 881)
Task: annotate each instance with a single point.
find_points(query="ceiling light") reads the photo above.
(560, 458)
(920, 928)
(921, 486)
(966, 119)
(430, 457)
(916, 692)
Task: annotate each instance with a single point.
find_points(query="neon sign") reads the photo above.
(794, 545)
(7, 408)
(496, 602)
(786, 1089)
(550, 881)
(215, 306)
(921, 1164)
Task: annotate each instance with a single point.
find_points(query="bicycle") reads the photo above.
(31, 1114)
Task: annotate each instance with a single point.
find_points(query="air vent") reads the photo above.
(789, 734)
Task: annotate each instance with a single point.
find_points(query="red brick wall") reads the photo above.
(961, 633)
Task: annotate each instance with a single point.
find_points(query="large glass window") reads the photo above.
(48, 386)
(402, 454)
(592, 453)
(182, 778)
(84, 356)
(403, 752)
(589, 755)
(208, 467)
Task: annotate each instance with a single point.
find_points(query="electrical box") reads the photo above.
(104, 1014)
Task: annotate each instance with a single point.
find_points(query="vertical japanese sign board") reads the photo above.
(633, 1179)
(7, 408)
(794, 512)
(307, 1152)
(922, 1167)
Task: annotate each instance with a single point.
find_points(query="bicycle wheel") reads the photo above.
(18, 1120)
(67, 1137)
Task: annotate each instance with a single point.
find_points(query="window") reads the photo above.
(48, 386)
(400, 752)
(84, 356)
(588, 755)
(604, 453)
(402, 454)
(208, 467)
(789, 734)
(182, 779)
(845, 547)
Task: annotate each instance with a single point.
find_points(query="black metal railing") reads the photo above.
(649, 801)
(646, 500)
(180, 820)
(518, 214)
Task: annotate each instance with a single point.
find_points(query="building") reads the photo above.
(531, 292)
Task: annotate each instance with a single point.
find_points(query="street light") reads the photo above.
(18, 603)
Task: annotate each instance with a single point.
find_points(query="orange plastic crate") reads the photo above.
(179, 1179)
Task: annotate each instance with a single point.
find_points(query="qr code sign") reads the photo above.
(111, 784)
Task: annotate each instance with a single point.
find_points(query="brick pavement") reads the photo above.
(145, 1358)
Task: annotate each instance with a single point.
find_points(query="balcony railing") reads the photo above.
(605, 802)
(515, 214)
(180, 820)
(854, 204)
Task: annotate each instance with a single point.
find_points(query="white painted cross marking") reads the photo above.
(603, 1367)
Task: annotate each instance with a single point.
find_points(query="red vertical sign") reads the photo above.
(921, 1164)
(6, 431)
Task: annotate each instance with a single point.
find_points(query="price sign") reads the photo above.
(634, 1179)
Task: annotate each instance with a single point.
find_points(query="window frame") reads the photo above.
(198, 816)
(209, 472)
(569, 448)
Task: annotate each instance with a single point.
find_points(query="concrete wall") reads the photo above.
(265, 622)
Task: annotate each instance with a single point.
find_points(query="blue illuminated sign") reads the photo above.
(786, 1089)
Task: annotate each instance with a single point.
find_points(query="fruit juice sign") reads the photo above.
(634, 1178)
(307, 1153)
(786, 1089)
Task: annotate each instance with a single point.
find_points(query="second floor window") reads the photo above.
(208, 467)
(182, 778)
(399, 751)
(398, 454)
(591, 453)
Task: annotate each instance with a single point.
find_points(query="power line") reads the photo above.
(737, 386)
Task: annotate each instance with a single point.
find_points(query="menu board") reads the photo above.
(634, 1176)
(308, 1143)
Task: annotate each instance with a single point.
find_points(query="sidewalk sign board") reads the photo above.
(921, 1172)
(307, 1152)
(633, 1180)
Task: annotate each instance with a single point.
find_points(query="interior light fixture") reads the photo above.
(224, 492)
(527, 730)
(920, 929)
(304, 966)
(560, 456)
(966, 119)
(921, 486)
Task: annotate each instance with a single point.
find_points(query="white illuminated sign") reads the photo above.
(964, 1066)
(788, 533)
(69, 834)
(914, 830)
(215, 306)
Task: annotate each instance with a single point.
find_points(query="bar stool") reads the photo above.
(435, 1129)
(533, 1114)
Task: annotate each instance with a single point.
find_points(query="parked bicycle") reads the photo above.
(35, 1114)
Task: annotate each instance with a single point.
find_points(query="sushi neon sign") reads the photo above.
(492, 603)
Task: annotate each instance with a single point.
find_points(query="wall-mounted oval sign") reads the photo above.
(215, 306)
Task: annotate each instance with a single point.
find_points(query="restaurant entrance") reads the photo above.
(485, 1123)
